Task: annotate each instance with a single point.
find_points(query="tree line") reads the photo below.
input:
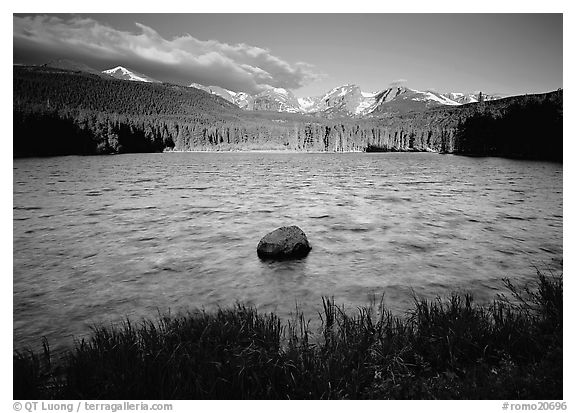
(59, 112)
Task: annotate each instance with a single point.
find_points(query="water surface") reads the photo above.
(104, 237)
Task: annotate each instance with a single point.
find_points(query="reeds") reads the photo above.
(446, 348)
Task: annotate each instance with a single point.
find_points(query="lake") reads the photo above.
(101, 238)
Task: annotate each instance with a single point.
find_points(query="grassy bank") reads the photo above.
(444, 349)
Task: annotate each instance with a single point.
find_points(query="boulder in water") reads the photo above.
(284, 243)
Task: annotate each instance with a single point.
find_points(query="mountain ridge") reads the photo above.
(346, 100)
(342, 101)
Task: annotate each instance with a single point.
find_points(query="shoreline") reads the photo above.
(286, 151)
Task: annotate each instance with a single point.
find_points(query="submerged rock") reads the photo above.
(284, 243)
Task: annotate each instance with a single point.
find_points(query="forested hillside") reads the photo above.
(527, 126)
(59, 112)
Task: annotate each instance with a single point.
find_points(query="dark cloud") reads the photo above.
(182, 59)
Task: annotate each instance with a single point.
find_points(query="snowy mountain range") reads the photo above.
(346, 100)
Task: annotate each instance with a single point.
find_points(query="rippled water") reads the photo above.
(100, 238)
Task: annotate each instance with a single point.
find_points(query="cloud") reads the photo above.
(182, 59)
(398, 82)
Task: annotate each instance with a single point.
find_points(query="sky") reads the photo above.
(309, 53)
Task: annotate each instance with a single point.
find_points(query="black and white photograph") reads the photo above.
(281, 206)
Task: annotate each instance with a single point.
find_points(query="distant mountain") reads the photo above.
(464, 98)
(216, 90)
(347, 100)
(71, 65)
(399, 100)
(277, 100)
(122, 73)
(244, 101)
(273, 99)
(308, 104)
(350, 100)
(240, 99)
(342, 101)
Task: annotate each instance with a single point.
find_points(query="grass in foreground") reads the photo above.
(444, 349)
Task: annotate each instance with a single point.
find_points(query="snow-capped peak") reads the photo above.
(369, 94)
(215, 90)
(306, 103)
(439, 98)
(199, 86)
(240, 99)
(341, 91)
(121, 72)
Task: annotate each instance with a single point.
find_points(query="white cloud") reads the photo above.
(398, 82)
(184, 59)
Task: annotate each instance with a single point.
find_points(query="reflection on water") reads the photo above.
(101, 238)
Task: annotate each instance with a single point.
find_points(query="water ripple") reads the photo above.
(99, 238)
